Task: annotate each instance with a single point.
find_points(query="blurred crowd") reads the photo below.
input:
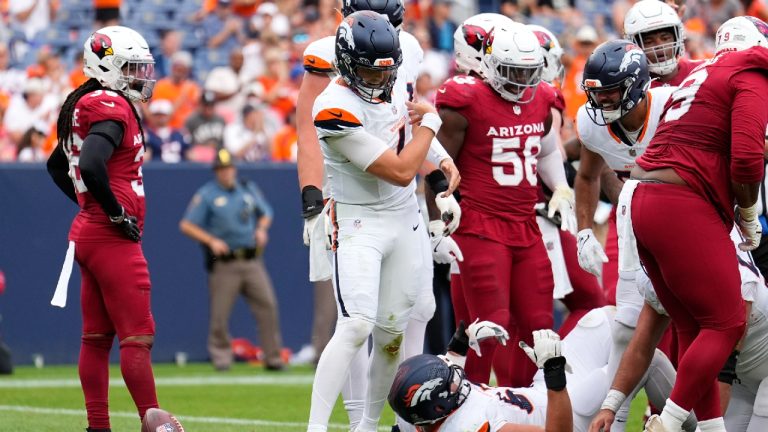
(229, 71)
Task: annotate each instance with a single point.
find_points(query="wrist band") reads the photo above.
(311, 201)
(437, 181)
(431, 121)
(748, 213)
(613, 400)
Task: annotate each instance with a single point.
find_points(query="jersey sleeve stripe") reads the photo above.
(316, 64)
(486, 427)
(337, 114)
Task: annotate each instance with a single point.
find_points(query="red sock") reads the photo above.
(136, 366)
(94, 379)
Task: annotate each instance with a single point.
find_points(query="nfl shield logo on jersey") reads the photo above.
(517, 110)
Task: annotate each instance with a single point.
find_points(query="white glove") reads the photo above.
(450, 212)
(546, 345)
(591, 253)
(479, 331)
(309, 225)
(562, 202)
(750, 228)
(444, 249)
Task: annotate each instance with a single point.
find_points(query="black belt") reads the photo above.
(239, 254)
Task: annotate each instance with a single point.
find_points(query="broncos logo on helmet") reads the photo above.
(101, 45)
(474, 35)
(421, 392)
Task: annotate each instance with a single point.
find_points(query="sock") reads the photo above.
(333, 368)
(712, 425)
(658, 382)
(136, 367)
(384, 360)
(620, 335)
(673, 416)
(353, 391)
(93, 367)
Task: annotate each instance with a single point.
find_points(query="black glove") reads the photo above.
(460, 341)
(312, 202)
(727, 374)
(554, 373)
(129, 226)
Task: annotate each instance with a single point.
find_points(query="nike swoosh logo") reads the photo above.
(311, 60)
(335, 115)
(441, 90)
(414, 228)
(109, 104)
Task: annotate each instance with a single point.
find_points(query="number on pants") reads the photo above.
(683, 97)
(505, 151)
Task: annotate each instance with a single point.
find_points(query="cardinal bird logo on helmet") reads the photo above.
(101, 45)
(544, 40)
(488, 43)
(474, 35)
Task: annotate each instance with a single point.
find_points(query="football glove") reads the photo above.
(591, 253)
(562, 202)
(450, 212)
(444, 249)
(750, 228)
(128, 224)
(309, 226)
(478, 331)
(546, 345)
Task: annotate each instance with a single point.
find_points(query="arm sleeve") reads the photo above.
(437, 153)
(359, 146)
(58, 169)
(749, 115)
(261, 202)
(93, 169)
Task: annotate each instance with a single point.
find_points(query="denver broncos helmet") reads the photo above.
(393, 9)
(368, 55)
(615, 79)
(426, 389)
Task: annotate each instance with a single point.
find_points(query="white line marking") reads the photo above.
(183, 418)
(295, 380)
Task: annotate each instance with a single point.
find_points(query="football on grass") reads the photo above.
(157, 420)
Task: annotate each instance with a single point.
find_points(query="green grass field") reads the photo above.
(246, 398)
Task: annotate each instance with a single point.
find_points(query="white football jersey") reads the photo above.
(320, 55)
(604, 140)
(489, 408)
(339, 112)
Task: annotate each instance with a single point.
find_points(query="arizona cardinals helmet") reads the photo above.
(740, 33)
(468, 40)
(512, 62)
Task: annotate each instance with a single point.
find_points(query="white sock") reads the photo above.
(333, 369)
(672, 416)
(712, 425)
(384, 360)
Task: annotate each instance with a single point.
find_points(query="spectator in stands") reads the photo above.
(77, 76)
(284, 144)
(179, 88)
(11, 79)
(164, 142)
(170, 43)
(7, 147)
(714, 13)
(231, 219)
(107, 13)
(268, 19)
(31, 16)
(585, 42)
(32, 106)
(206, 130)
(441, 28)
(276, 82)
(31, 145)
(223, 83)
(53, 72)
(755, 8)
(436, 63)
(248, 139)
(223, 29)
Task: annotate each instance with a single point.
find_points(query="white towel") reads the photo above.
(60, 295)
(550, 234)
(319, 255)
(629, 259)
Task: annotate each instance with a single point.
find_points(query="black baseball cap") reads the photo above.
(223, 159)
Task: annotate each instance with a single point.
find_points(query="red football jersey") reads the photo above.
(498, 160)
(700, 138)
(684, 68)
(123, 168)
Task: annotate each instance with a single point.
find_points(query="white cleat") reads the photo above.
(654, 424)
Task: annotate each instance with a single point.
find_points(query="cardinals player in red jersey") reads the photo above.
(97, 164)
(678, 211)
(497, 130)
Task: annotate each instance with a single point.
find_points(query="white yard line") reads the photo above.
(183, 418)
(168, 382)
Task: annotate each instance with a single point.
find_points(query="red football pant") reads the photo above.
(690, 258)
(115, 300)
(511, 286)
(587, 293)
(611, 268)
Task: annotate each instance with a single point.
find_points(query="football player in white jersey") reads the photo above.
(452, 404)
(377, 233)
(614, 127)
(746, 370)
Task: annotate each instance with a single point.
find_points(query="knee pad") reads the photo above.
(99, 341)
(354, 330)
(761, 399)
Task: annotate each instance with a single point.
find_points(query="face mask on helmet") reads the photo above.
(663, 48)
(604, 103)
(137, 80)
(514, 82)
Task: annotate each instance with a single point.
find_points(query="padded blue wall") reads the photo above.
(34, 222)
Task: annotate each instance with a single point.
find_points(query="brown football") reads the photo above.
(157, 420)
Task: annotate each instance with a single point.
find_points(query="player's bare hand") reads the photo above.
(261, 235)
(602, 421)
(416, 110)
(448, 167)
(218, 247)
